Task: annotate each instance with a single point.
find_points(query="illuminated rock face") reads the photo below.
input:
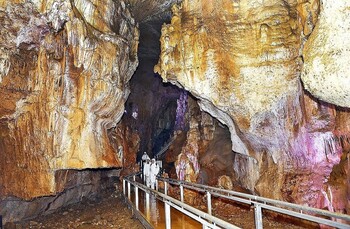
(243, 61)
(240, 59)
(327, 55)
(64, 72)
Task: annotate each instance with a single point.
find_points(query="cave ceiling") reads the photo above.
(151, 15)
(148, 10)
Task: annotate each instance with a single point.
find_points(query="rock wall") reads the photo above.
(231, 58)
(74, 186)
(243, 61)
(326, 54)
(64, 72)
(201, 151)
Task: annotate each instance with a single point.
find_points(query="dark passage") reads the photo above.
(152, 104)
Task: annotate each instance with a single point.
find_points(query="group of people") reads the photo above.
(150, 170)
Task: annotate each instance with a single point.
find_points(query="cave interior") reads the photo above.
(233, 90)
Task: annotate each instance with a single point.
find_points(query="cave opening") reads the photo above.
(151, 108)
(164, 115)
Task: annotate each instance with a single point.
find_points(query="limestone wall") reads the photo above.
(243, 61)
(64, 72)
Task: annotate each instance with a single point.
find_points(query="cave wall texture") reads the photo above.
(274, 72)
(64, 72)
(244, 60)
(326, 53)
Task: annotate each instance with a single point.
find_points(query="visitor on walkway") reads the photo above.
(143, 160)
(147, 173)
(145, 157)
(154, 173)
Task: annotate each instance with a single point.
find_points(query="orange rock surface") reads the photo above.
(64, 72)
(239, 59)
(243, 61)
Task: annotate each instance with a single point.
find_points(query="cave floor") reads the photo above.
(242, 215)
(110, 211)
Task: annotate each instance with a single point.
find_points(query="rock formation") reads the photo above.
(65, 67)
(326, 55)
(243, 61)
(231, 63)
(148, 10)
(64, 72)
(201, 150)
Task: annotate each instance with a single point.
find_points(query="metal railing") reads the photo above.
(165, 147)
(207, 220)
(259, 203)
(210, 221)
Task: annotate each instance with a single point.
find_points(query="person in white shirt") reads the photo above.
(147, 173)
(143, 160)
(145, 156)
(154, 173)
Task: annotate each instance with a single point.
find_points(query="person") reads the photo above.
(143, 160)
(154, 173)
(145, 156)
(146, 173)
